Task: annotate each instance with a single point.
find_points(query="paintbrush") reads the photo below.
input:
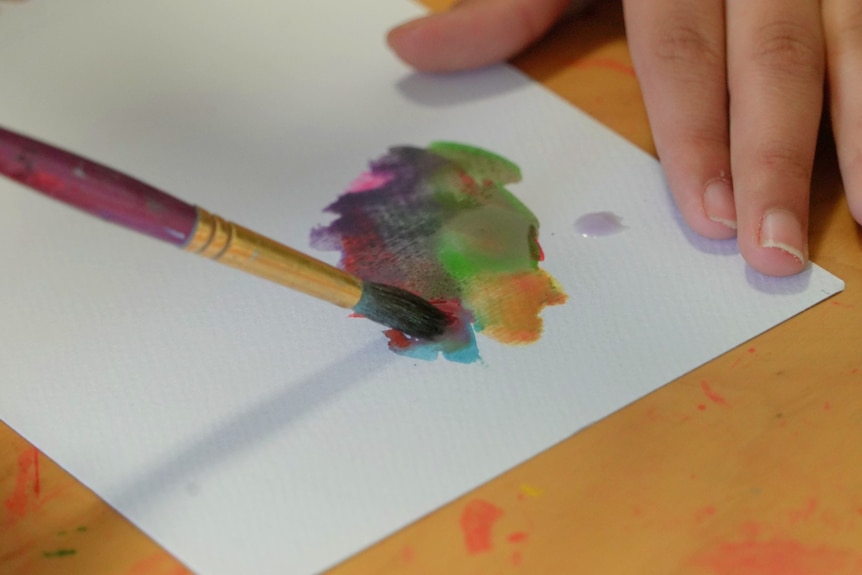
(130, 203)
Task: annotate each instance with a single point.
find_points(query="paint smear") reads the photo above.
(25, 497)
(477, 521)
(440, 223)
(58, 553)
(599, 224)
(774, 557)
(712, 395)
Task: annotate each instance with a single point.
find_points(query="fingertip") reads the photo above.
(412, 43)
(854, 197)
(709, 209)
(779, 246)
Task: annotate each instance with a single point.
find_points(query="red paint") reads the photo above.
(36, 487)
(752, 350)
(713, 396)
(408, 554)
(518, 537)
(516, 558)
(774, 557)
(804, 514)
(701, 406)
(607, 64)
(703, 514)
(827, 406)
(477, 521)
(25, 496)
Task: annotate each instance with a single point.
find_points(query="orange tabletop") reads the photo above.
(749, 465)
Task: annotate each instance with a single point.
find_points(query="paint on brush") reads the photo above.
(439, 222)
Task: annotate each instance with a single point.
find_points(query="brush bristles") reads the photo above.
(402, 310)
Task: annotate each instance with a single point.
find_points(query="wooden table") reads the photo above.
(750, 465)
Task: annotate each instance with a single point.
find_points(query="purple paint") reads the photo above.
(598, 224)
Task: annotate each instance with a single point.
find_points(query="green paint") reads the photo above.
(58, 553)
(81, 529)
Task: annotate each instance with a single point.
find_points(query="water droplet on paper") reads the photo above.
(599, 224)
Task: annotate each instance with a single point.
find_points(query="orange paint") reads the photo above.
(477, 522)
(774, 557)
(713, 396)
(408, 554)
(25, 496)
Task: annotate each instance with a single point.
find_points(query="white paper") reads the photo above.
(249, 429)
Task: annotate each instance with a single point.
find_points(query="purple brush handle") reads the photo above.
(95, 188)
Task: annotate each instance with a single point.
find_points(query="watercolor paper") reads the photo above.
(250, 429)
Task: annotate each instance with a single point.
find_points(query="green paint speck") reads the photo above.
(58, 553)
(81, 529)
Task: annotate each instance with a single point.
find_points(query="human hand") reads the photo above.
(733, 90)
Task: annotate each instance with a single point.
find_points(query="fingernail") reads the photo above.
(718, 203)
(781, 229)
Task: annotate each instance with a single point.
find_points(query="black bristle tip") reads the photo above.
(402, 310)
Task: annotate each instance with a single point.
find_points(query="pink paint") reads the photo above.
(774, 557)
(713, 396)
(369, 181)
(477, 522)
(518, 537)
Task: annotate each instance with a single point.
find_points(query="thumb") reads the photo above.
(475, 33)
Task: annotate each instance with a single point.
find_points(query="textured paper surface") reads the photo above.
(249, 429)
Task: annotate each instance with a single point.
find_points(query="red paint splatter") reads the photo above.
(774, 557)
(703, 514)
(701, 406)
(827, 406)
(607, 64)
(408, 554)
(477, 520)
(805, 513)
(516, 558)
(25, 496)
(713, 396)
(518, 537)
(752, 350)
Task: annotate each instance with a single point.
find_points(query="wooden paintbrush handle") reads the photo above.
(243, 249)
(95, 188)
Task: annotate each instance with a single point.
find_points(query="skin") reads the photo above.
(734, 92)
